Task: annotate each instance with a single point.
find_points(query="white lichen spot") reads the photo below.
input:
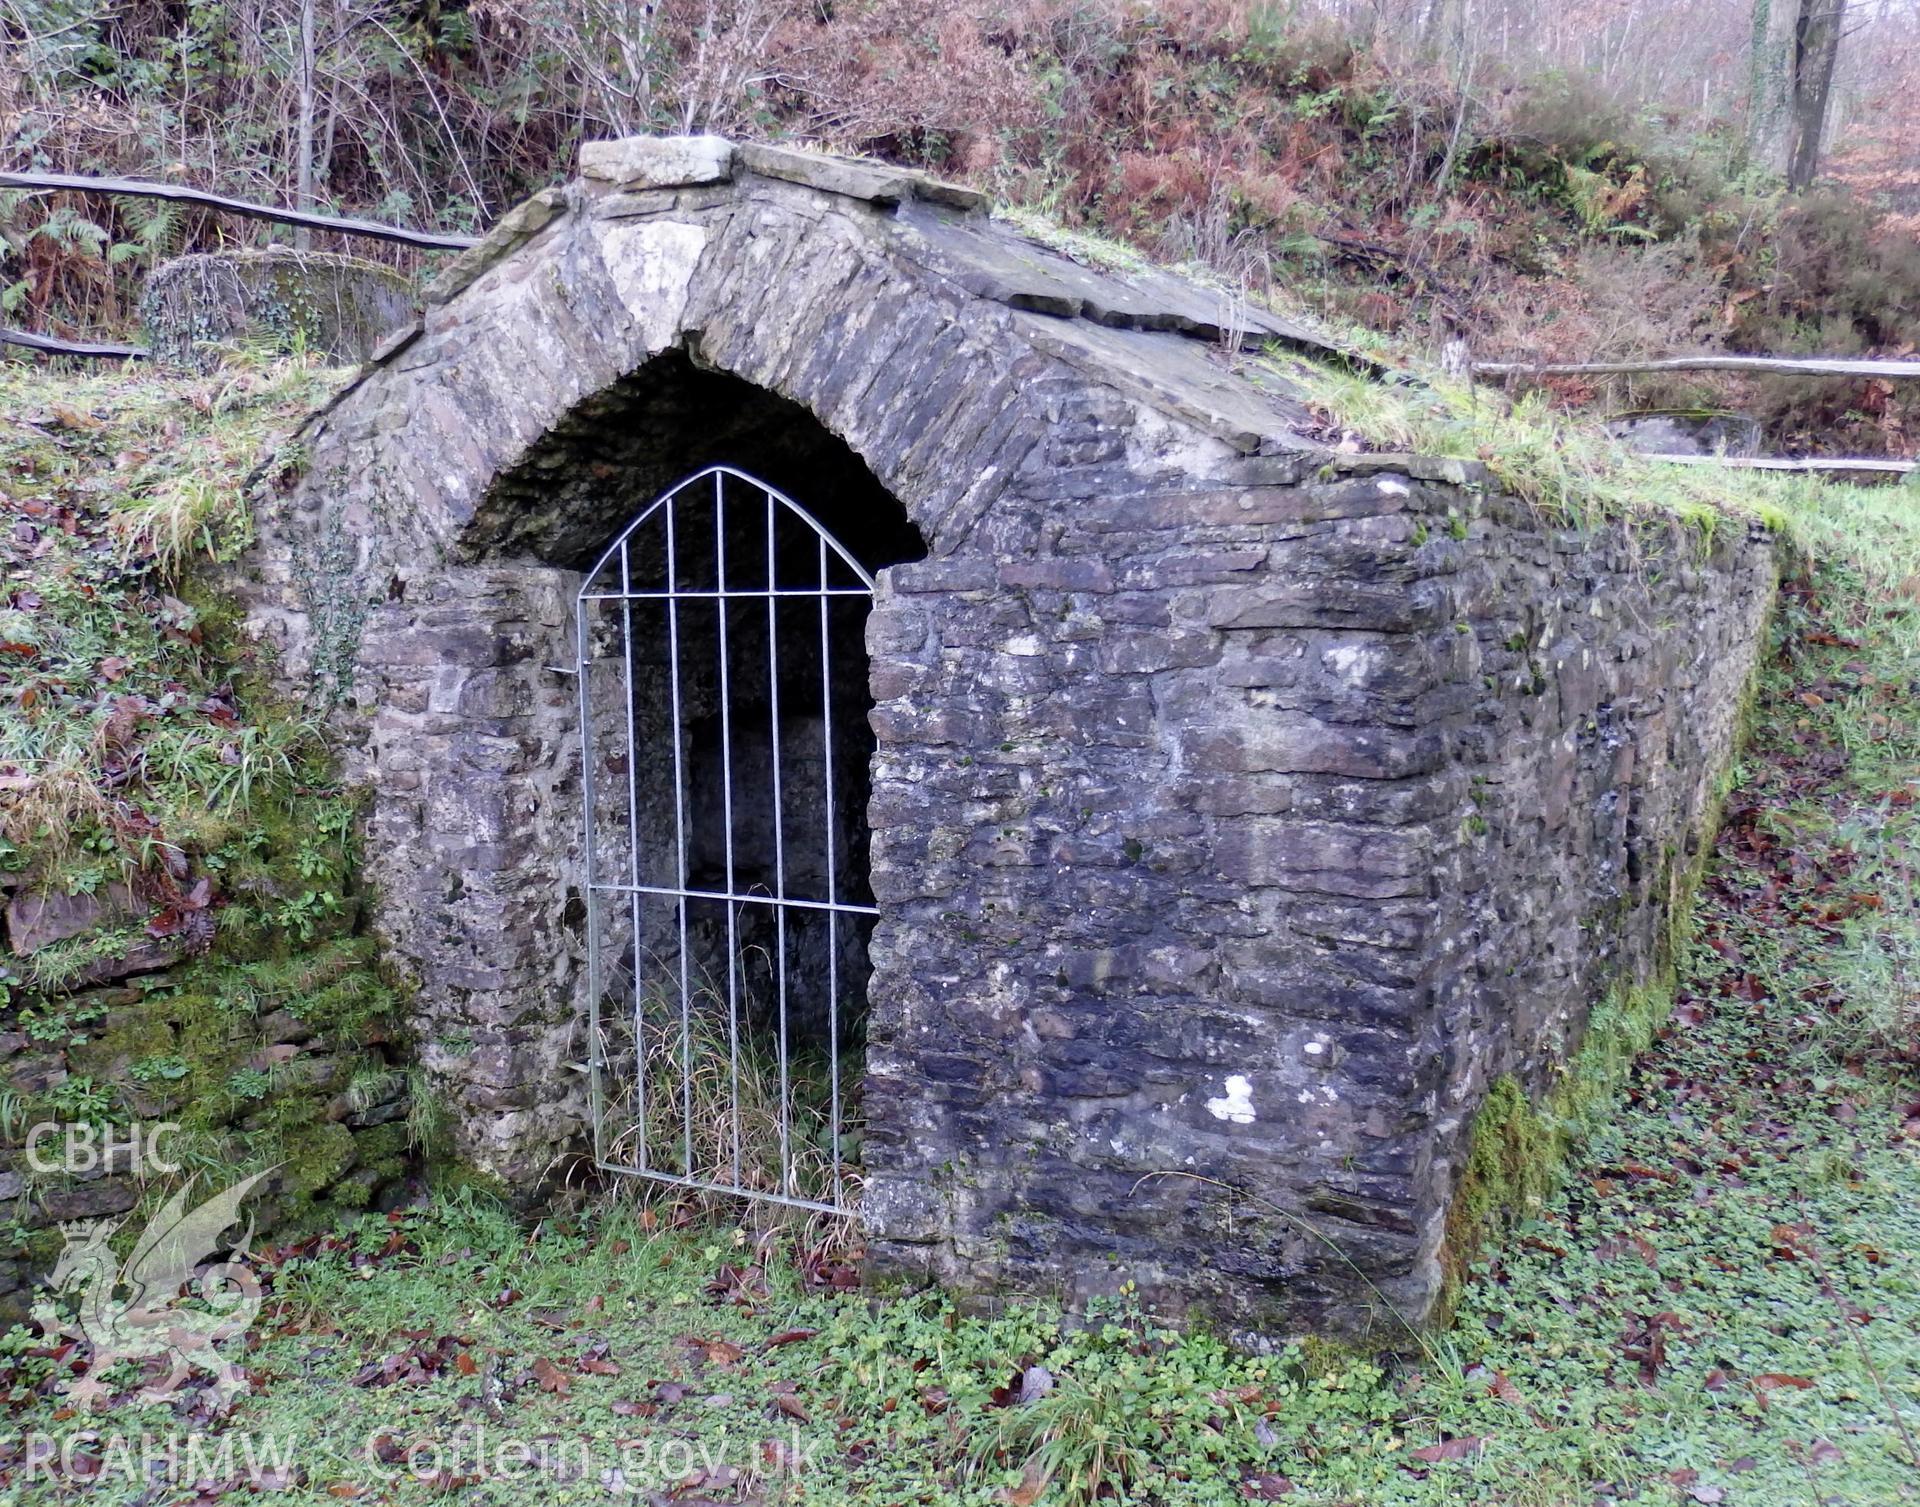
(1353, 663)
(1236, 1106)
(1026, 646)
(1315, 1048)
(1388, 487)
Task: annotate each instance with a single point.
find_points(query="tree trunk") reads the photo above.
(303, 130)
(1760, 90)
(1816, 50)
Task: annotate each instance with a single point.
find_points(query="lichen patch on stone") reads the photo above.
(1236, 1104)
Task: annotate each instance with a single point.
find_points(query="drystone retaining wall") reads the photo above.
(323, 303)
(130, 1087)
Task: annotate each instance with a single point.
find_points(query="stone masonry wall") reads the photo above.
(1239, 811)
(1290, 817)
(281, 1057)
(1600, 692)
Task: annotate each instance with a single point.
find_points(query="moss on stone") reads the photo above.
(454, 1178)
(287, 300)
(1520, 1145)
(127, 1034)
(383, 1149)
(316, 1156)
(1519, 1148)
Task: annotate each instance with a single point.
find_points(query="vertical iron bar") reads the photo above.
(726, 803)
(680, 853)
(633, 857)
(787, 1179)
(596, 1076)
(833, 896)
(790, 1173)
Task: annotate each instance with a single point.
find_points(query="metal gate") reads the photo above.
(726, 902)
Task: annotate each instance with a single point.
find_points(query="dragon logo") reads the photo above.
(137, 1310)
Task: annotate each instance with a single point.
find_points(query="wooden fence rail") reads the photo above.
(142, 188)
(1834, 463)
(1782, 366)
(52, 347)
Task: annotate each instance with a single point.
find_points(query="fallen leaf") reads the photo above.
(1035, 1383)
(1032, 1487)
(551, 1377)
(1451, 1449)
(718, 1352)
(387, 1449)
(1505, 1390)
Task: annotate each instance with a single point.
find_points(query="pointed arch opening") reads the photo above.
(726, 748)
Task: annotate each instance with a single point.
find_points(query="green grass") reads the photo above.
(124, 747)
(1570, 467)
(1721, 1304)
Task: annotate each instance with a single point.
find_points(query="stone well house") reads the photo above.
(1201, 819)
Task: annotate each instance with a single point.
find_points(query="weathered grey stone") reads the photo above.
(63, 1204)
(952, 195)
(1226, 805)
(1027, 276)
(35, 920)
(508, 234)
(833, 175)
(658, 161)
(335, 306)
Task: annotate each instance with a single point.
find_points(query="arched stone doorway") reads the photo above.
(1213, 772)
(1099, 864)
(726, 744)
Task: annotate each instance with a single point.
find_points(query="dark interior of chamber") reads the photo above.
(621, 447)
(728, 740)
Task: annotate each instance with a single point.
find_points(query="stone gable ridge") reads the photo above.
(1171, 342)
